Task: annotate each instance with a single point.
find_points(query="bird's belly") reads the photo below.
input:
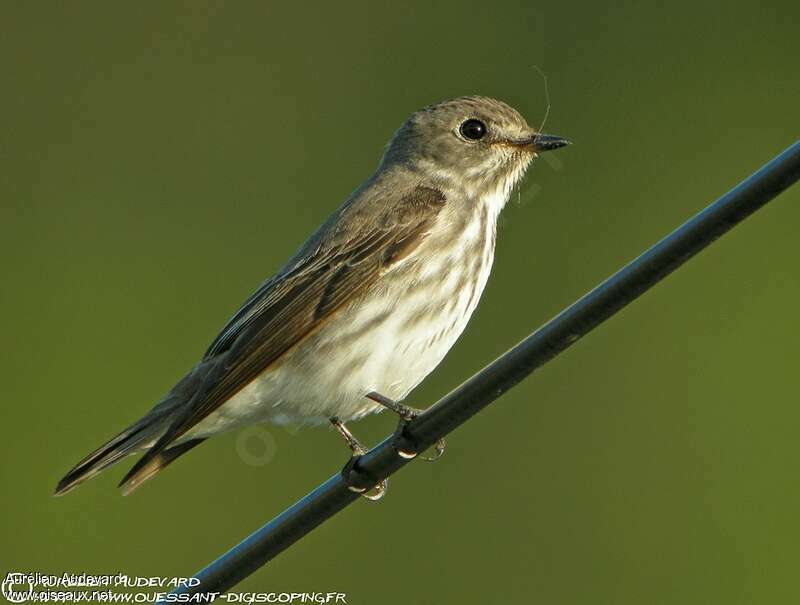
(387, 342)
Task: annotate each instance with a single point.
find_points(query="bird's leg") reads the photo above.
(353, 443)
(377, 492)
(407, 414)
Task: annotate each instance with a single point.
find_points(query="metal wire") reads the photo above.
(506, 371)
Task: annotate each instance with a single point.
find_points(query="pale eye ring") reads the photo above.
(472, 129)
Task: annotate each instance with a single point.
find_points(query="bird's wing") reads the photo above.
(293, 304)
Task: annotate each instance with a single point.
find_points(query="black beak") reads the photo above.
(548, 142)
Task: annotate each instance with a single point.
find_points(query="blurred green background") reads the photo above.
(161, 159)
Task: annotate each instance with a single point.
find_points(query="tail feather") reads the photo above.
(139, 437)
(125, 443)
(139, 474)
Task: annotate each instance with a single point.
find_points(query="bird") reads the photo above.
(366, 308)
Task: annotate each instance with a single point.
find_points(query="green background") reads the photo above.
(160, 159)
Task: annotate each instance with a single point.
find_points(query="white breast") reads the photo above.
(388, 343)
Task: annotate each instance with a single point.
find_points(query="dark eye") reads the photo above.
(473, 129)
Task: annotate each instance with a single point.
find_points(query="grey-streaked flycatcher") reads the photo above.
(367, 307)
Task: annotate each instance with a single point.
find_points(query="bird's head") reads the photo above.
(477, 142)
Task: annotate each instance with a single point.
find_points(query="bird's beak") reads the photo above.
(547, 142)
(538, 142)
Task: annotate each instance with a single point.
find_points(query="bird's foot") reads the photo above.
(378, 490)
(401, 439)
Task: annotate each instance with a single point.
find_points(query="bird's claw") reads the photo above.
(377, 492)
(357, 481)
(354, 477)
(401, 440)
(406, 414)
(439, 445)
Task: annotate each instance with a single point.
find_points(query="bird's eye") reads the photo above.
(473, 129)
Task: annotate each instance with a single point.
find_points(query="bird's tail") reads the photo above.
(140, 436)
(135, 438)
